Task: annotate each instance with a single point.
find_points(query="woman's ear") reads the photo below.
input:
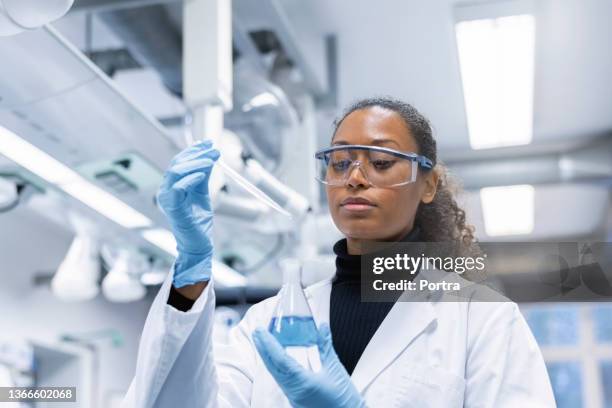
(431, 184)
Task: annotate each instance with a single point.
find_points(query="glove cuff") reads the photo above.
(189, 269)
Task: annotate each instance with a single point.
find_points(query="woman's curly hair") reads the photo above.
(441, 220)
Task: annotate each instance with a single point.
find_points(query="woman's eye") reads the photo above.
(383, 164)
(340, 165)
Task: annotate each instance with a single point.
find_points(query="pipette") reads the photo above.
(252, 189)
(234, 175)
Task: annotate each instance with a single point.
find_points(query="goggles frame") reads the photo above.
(422, 161)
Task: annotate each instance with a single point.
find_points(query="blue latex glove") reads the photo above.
(184, 199)
(330, 387)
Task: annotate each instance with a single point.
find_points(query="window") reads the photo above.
(554, 326)
(602, 317)
(576, 342)
(566, 381)
(606, 382)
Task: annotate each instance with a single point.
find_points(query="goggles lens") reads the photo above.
(380, 168)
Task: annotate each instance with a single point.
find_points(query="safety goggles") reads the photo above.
(381, 167)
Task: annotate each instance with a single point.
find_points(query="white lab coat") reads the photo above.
(429, 353)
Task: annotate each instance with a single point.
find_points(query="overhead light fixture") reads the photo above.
(156, 272)
(223, 274)
(496, 58)
(20, 15)
(508, 210)
(119, 285)
(77, 277)
(53, 171)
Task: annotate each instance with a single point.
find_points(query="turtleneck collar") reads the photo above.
(348, 266)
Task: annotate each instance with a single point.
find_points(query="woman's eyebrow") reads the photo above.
(373, 142)
(384, 141)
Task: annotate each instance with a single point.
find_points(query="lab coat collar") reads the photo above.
(405, 321)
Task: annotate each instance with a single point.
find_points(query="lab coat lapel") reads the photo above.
(405, 321)
(319, 300)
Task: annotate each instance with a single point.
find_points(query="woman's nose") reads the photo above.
(356, 176)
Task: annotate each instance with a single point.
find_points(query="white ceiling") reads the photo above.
(407, 49)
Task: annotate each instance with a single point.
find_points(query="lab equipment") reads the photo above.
(184, 198)
(232, 147)
(292, 323)
(381, 166)
(289, 199)
(253, 190)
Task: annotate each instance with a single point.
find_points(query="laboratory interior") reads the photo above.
(98, 96)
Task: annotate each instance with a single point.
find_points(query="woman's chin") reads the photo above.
(361, 232)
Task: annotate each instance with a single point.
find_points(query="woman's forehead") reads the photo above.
(375, 126)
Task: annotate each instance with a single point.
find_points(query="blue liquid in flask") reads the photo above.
(294, 331)
(292, 323)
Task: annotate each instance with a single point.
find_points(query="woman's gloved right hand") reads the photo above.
(184, 198)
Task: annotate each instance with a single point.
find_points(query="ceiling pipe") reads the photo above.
(589, 163)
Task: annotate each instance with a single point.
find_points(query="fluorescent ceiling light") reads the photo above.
(53, 171)
(161, 238)
(496, 56)
(508, 210)
(34, 159)
(106, 204)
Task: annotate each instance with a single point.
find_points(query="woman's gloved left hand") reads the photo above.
(185, 199)
(330, 387)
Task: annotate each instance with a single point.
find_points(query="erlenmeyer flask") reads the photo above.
(292, 323)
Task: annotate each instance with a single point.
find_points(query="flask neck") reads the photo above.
(292, 276)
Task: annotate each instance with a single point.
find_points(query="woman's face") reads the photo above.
(392, 210)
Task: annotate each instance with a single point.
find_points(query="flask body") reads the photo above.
(292, 322)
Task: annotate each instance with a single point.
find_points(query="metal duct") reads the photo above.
(591, 162)
(148, 33)
(265, 127)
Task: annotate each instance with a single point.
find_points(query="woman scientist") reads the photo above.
(416, 354)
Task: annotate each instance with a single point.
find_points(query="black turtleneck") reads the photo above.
(352, 322)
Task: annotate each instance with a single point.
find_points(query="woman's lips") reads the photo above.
(354, 207)
(356, 200)
(356, 204)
